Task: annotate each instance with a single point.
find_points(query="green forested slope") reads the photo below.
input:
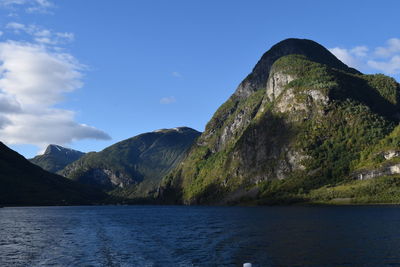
(134, 167)
(293, 125)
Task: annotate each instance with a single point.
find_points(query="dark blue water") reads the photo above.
(200, 236)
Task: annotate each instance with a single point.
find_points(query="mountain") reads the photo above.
(298, 123)
(55, 158)
(133, 168)
(23, 183)
(375, 175)
(258, 78)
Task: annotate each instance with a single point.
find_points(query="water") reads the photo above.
(200, 236)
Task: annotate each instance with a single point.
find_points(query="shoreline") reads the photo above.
(304, 204)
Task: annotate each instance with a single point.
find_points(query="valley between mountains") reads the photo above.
(302, 127)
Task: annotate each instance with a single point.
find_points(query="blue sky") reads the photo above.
(86, 74)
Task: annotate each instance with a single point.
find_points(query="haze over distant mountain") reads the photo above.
(56, 157)
(133, 168)
(23, 183)
(300, 123)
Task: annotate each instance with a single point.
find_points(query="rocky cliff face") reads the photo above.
(380, 159)
(258, 78)
(299, 119)
(105, 178)
(134, 167)
(383, 171)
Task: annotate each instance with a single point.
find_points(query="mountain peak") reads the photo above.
(176, 129)
(56, 158)
(257, 79)
(52, 148)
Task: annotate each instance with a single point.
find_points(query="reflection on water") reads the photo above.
(200, 236)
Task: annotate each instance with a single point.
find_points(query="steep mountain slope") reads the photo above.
(55, 158)
(294, 124)
(376, 176)
(258, 78)
(23, 183)
(380, 159)
(134, 167)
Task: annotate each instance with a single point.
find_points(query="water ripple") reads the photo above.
(199, 236)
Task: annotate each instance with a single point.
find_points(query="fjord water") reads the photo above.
(200, 236)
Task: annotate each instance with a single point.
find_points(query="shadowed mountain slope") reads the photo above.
(23, 183)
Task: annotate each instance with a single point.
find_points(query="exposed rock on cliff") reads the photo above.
(380, 159)
(295, 123)
(258, 78)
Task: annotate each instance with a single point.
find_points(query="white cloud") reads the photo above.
(390, 67)
(167, 100)
(359, 51)
(41, 35)
(351, 57)
(35, 75)
(176, 74)
(30, 6)
(4, 121)
(385, 59)
(392, 47)
(346, 56)
(54, 126)
(44, 3)
(65, 35)
(32, 81)
(17, 27)
(12, 15)
(12, 2)
(9, 104)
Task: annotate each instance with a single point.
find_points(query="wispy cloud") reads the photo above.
(40, 34)
(32, 81)
(29, 6)
(12, 2)
(384, 58)
(351, 57)
(42, 6)
(167, 100)
(392, 47)
(359, 51)
(390, 67)
(176, 74)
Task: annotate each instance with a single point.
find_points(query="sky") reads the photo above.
(87, 74)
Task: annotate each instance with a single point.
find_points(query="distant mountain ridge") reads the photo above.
(56, 157)
(133, 168)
